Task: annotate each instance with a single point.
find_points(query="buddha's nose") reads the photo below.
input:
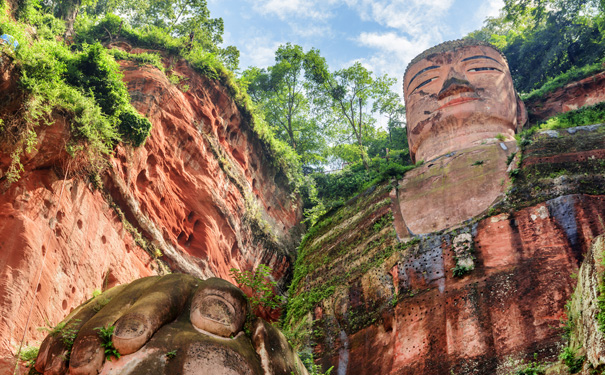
(455, 83)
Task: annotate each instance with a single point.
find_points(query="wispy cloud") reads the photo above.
(409, 16)
(300, 9)
(260, 51)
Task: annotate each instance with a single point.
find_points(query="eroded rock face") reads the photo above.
(588, 91)
(586, 336)
(477, 299)
(509, 305)
(202, 191)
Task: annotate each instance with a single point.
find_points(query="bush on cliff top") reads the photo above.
(85, 85)
(574, 74)
(209, 64)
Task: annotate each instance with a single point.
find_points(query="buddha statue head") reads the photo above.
(457, 95)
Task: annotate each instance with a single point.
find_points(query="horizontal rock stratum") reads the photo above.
(478, 297)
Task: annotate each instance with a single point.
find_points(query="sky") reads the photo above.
(384, 35)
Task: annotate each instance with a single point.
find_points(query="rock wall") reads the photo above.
(587, 338)
(203, 193)
(588, 91)
(477, 298)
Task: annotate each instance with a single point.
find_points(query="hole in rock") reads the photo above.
(191, 216)
(103, 240)
(58, 232)
(142, 180)
(80, 224)
(239, 157)
(73, 289)
(64, 304)
(189, 240)
(39, 287)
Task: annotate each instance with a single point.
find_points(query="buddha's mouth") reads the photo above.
(457, 101)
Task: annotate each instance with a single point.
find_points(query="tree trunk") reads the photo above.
(68, 12)
(363, 153)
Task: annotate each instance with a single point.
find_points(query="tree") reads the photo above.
(544, 38)
(350, 93)
(281, 91)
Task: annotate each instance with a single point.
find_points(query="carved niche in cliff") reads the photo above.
(462, 114)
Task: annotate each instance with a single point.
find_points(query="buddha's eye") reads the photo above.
(425, 83)
(483, 69)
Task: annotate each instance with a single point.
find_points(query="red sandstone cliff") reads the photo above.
(202, 191)
(588, 91)
(476, 298)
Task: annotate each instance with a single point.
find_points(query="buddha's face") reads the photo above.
(457, 99)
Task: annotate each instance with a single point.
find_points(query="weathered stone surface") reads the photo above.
(586, 337)
(382, 306)
(202, 190)
(588, 91)
(457, 97)
(162, 327)
(509, 306)
(454, 188)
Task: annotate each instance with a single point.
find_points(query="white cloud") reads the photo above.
(260, 51)
(300, 9)
(409, 16)
(490, 8)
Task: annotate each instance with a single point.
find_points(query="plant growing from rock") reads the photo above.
(261, 288)
(573, 363)
(105, 333)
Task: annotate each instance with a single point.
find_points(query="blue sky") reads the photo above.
(384, 35)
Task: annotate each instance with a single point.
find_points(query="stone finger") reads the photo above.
(162, 305)
(88, 353)
(55, 349)
(219, 307)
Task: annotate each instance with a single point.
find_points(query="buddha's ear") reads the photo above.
(521, 114)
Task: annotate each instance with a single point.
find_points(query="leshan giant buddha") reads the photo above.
(462, 114)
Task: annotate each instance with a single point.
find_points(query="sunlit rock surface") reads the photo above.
(203, 192)
(574, 95)
(479, 297)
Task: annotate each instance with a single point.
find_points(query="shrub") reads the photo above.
(134, 127)
(261, 288)
(568, 356)
(586, 115)
(106, 333)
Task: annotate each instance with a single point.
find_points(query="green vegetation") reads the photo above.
(574, 74)
(84, 84)
(105, 334)
(28, 355)
(548, 42)
(312, 368)
(573, 363)
(171, 354)
(532, 368)
(332, 254)
(66, 332)
(261, 288)
(586, 115)
(460, 270)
